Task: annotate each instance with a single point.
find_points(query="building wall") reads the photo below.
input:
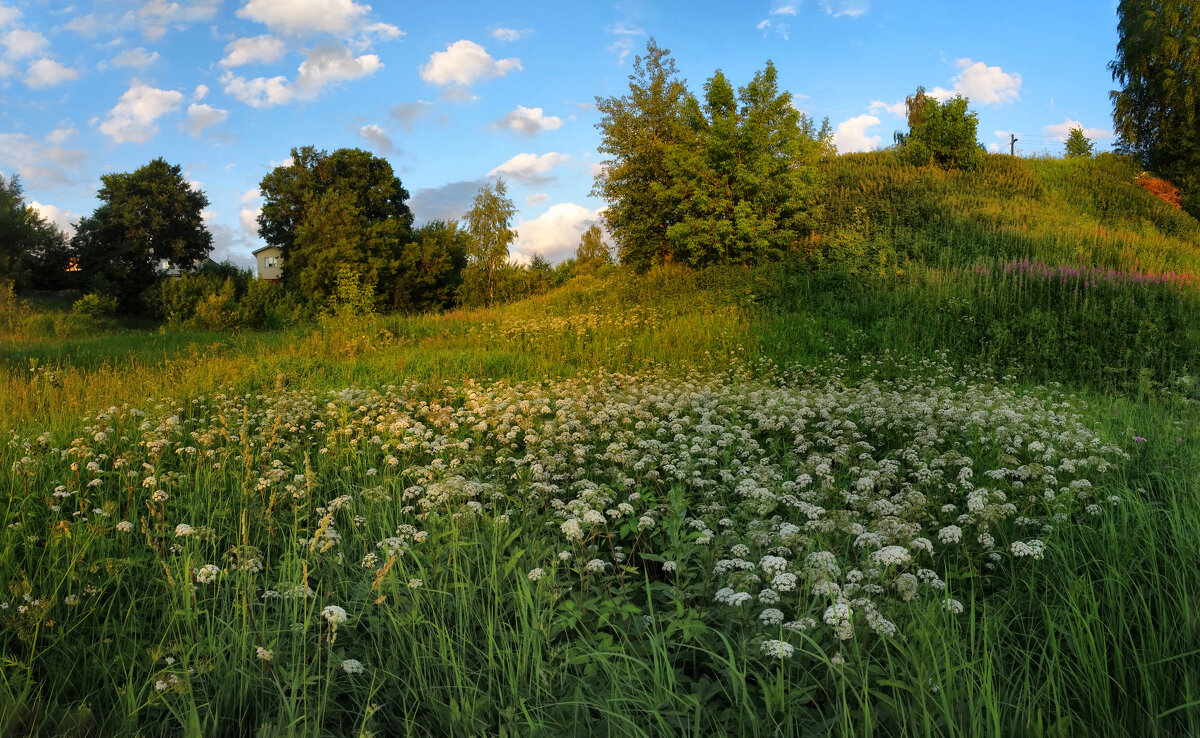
(270, 263)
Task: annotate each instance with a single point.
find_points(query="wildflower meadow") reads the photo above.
(949, 498)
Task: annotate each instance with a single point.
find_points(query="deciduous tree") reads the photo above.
(592, 252)
(325, 211)
(637, 130)
(147, 218)
(1156, 112)
(488, 223)
(942, 133)
(1078, 145)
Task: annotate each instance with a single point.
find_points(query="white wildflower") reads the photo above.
(207, 574)
(352, 666)
(778, 649)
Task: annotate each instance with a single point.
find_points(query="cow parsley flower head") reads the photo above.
(334, 614)
(778, 649)
(183, 529)
(771, 616)
(352, 666)
(207, 574)
(891, 556)
(536, 574)
(124, 526)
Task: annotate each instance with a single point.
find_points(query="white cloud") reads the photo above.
(137, 58)
(306, 17)
(156, 17)
(199, 93)
(993, 147)
(60, 136)
(20, 43)
(982, 84)
(897, 109)
(323, 65)
(555, 233)
(201, 116)
(47, 73)
(1062, 130)
(623, 46)
(8, 15)
(784, 9)
(530, 168)
(407, 114)
(248, 214)
(851, 135)
(764, 24)
(841, 8)
(511, 34)
(528, 121)
(57, 216)
(377, 137)
(536, 198)
(41, 163)
(265, 49)
(6, 69)
(463, 63)
(132, 119)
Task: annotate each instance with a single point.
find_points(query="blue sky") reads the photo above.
(456, 93)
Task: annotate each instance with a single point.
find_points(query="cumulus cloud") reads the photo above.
(511, 34)
(377, 137)
(306, 17)
(407, 114)
(851, 135)
(47, 73)
(20, 43)
(199, 93)
(982, 84)
(1062, 130)
(41, 162)
(56, 215)
(156, 17)
(201, 116)
(529, 168)
(323, 65)
(132, 119)
(555, 233)
(463, 63)
(536, 198)
(447, 202)
(251, 206)
(265, 49)
(8, 15)
(897, 109)
(137, 58)
(528, 121)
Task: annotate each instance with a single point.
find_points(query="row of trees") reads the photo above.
(329, 213)
(727, 178)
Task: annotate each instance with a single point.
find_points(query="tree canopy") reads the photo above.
(147, 218)
(592, 252)
(941, 133)
(327, 211)
(33, 251)
(488, 223)
(1078, 145)
(730, 179)
(637, 130)
(1156, 113)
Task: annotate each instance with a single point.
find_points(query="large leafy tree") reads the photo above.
(327, 212)
(743, 170)
(33, 251)
(431, 267)
(637, 130)
(147, 218)
(488, 223)
(942, 133)
(1156, 112)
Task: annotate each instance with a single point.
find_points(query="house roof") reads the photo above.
(264, 248)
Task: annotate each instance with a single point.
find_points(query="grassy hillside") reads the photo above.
(938, 478)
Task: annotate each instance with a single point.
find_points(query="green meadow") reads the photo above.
(937, 473)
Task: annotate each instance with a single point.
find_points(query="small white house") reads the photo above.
(270, 263)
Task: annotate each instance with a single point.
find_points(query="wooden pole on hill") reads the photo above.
(1012, 144)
